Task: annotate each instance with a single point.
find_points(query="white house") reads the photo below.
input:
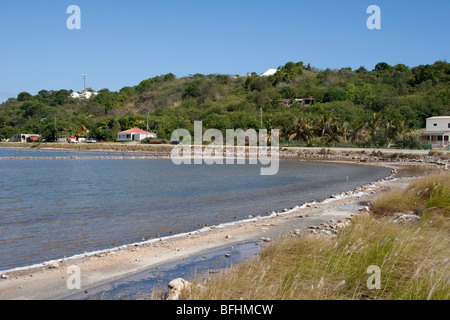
(306, 101)
(437, 132)
(269, 72)
(134, 134)
(87, 94)
(24, 137)
(83, 95)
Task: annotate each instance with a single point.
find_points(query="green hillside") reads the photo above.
(378, 108)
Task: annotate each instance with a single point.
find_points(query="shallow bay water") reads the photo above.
(55, 208)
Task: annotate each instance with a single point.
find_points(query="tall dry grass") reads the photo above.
(413, 259)
(428, 197)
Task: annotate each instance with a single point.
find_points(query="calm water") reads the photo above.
(55, 208)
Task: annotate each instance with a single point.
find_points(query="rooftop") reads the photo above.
(442, 117)
(134, 130)
(436, 132)
(269, 72)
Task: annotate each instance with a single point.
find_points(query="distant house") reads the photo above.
(83, 95)
(437, 132)
(134, 134)
(303, 101)
(269, 72)
(87, 94)
(306, 101)
(25, 137)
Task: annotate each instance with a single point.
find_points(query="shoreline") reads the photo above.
(98, 268)
(49, 280)
(357, 192)
(161, 151)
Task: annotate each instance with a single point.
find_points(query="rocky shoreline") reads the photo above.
(386, 156)
(322, 218)
(438, 158)
(48, 281)
(152, 156)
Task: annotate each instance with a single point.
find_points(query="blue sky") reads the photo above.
(121, 43)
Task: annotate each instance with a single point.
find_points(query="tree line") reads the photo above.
(382, 107)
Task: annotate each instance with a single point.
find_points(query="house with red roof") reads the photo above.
(134, 134)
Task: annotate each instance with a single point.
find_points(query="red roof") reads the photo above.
(134, 130)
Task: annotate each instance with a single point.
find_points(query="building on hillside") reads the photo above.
(87, 94)
(134, 134)
(437, 132)
(25, 137)
(269, 72)
(83, 95)
(303, 101)
(306, 101)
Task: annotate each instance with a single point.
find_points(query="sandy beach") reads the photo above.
(49, 281)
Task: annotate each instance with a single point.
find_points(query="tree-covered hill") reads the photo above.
(352, 107)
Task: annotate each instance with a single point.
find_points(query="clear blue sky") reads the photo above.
(124, 42)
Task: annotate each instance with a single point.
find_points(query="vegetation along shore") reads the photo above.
(404, 235)
(346, 115)
(440, 158)
(319, 250)
(312, 107)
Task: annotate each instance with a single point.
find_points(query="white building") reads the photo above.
(24, 137)
(83, 95)
(269, 72)
(306, 101)
(134, 134)
(87, 94)
(437, 132)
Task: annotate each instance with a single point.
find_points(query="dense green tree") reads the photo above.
(24, 96)
(382, 66)
(334, 94)
(346, 100)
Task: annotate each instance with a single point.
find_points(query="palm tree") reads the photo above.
(304, 131)
(287, 129)
(358, 132)
(323, 125)
(395, 130)
(333, 133)
(374, 126)
(345, 132)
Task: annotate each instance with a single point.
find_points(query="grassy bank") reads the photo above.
(413, 258)
(428, 197)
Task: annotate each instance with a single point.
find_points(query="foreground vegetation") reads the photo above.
(378, 108)
(413, 258)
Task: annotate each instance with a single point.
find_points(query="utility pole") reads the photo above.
(261, 116)
(147, 120)
(84, 78)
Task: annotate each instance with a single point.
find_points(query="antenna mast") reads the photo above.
(84, 78)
